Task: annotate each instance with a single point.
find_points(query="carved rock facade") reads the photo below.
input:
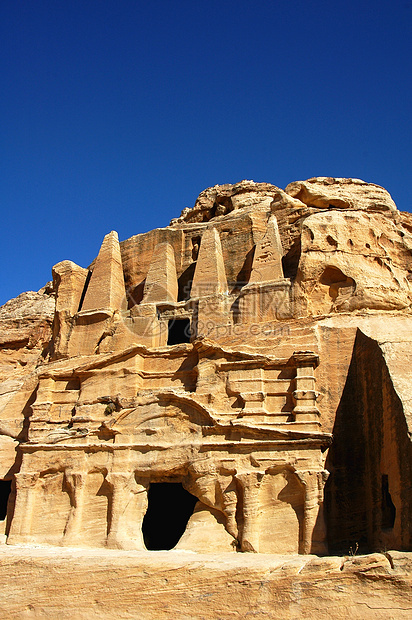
(225, 365)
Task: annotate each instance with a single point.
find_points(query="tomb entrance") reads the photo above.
(169, 509)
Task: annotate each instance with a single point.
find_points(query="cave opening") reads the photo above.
(169, 509)
(5, 489)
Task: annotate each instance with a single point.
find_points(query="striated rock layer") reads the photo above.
(243, 371)
(83, 584)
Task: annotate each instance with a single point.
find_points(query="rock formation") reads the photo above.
(243, 370)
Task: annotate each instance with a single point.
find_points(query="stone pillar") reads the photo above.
(128, 508)
(267, 295)
(313, 483)
(161, 280)
(227, 484)
(209, 287)
(69, 282)
(267, 260)
(76, 483)
(23, 511)
(106, 291)
(250, 484)
(305, 395)
(210, 275)
(104, 300)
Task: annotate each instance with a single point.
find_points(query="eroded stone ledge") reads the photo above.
(98, 583)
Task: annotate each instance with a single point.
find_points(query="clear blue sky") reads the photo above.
(115, 114)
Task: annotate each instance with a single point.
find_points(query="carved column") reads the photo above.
(229, 503)
(129, 505)
(23, 511)
(313, 483)
(250, 484)
(76, 482)
(161, 281)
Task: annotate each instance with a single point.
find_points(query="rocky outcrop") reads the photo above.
(221, 200)
(25, 319)
(244, 370)
(331, 193)
(25, 333)
(351, 261)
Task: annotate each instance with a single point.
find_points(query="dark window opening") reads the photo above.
(169, 509)
(291, 260)
(195, 247)
(5, 488)
(388, 507)
(178, 331)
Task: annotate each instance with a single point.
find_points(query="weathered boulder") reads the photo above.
(220, 200)
(331, 193)
(351, 261)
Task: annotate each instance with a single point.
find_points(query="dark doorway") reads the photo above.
(5, 488)
(170, 508)
(179, 331)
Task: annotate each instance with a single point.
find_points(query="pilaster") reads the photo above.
(76, 482)
(20, 529)
(313, 483)
(128, 508)
(250, 484)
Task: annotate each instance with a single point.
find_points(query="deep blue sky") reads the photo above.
(115, 114)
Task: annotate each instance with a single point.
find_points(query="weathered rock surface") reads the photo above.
(243, 372)
(331, 193)
(25, 333)
(220, 200)
(25, 319)
(351, 261)
(83, 584)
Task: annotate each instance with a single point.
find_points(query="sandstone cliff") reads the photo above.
(249, 362)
